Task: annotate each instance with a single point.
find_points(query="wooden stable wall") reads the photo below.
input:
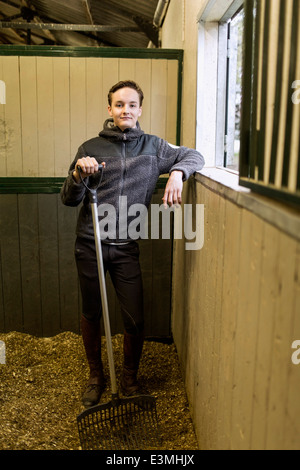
(235, 317)
(39, 289)
(56, 98)
(56, 102)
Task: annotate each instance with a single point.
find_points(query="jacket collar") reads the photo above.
(112, 132)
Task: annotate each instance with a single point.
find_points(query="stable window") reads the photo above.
(252, 129)
(233, 99)
(219, 82)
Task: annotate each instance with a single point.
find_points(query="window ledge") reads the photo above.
(226, 184)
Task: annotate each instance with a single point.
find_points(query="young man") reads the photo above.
(133, 162)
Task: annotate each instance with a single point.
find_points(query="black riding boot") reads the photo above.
(133, 345)
(91, 335)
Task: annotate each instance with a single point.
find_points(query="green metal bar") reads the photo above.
(41, 185)
(253, 131)
(290, 104)
(279, 75)
(271, 191)
(263, 110)
(298, 173)
(67, 51)
(179, 98)
(246, 89)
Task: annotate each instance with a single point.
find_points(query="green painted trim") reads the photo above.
(66, 51)
(290, 105)
(271, 191)
(23, 185)
(179, 100)
(254, 134)
(246, 88)
(278, 91)
(31, 185)
(263, 92)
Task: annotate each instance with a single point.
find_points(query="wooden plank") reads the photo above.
(70, 307)
(228, 322)
(94, 97)
(159, 98)
(45, 102)
(110, 77)
(13, 165)
(291, 425)
(265, 336)
(49, 263)
(127, 69)
(161, 281)
(246, 331)
(28, 96)
(30, 263)
(281, 343)
(143, 77)
(218, 332)
(189, 286)
(210, 282)
(61, 116)
(78, 106)
(10, 264)
(172, 86)
(200, 350)
(3, 160)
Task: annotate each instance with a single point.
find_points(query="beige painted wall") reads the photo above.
(235, 302)
(180, 31)
(235, 316)
(53, 104)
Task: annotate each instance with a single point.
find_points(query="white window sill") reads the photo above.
(226, 184)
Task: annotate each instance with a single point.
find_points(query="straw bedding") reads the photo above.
(42, 381)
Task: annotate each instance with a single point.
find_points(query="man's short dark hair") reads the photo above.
(126, 84)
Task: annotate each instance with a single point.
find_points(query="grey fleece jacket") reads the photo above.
(134, 161)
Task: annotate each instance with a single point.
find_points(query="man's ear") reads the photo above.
(109, 110)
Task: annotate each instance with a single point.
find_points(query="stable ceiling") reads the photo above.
(106, 23)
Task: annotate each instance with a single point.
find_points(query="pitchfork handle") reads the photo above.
(101, 274)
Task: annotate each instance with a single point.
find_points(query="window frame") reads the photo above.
(212, 79)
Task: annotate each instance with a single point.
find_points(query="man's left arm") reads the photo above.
(181, 163)
(173, 189)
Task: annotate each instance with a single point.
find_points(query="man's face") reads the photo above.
(125, 108)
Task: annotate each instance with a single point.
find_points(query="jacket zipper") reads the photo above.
(123, 178)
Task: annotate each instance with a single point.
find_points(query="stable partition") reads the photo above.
(56, 98)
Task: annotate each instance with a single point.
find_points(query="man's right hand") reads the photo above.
(88, 165)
